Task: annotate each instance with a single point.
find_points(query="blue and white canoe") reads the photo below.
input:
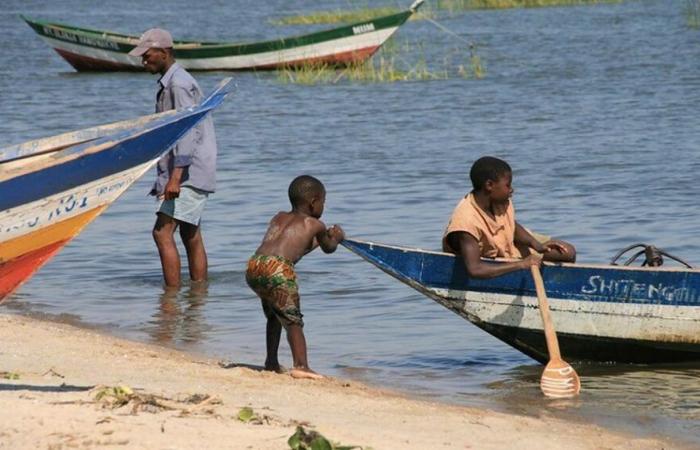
(51, 188)
(601, 312)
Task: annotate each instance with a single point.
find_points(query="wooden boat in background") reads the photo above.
(51, 188)
(601, 312)
(95, 50)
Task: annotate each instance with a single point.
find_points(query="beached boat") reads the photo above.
(600, 312)
(95, 50)
(53, 187)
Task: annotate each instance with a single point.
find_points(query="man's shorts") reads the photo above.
(187, 207)
(274, 280)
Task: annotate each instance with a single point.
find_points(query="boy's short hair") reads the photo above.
(487, 168)
(304, 188)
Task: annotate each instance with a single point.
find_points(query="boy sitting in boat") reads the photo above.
(483, 225)
(271, 275)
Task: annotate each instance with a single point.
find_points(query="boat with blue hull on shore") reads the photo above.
(605, 313)
(51, 188)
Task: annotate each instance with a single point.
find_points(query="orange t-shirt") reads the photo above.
(496, 236)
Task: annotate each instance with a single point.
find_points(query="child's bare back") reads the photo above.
(291, 235)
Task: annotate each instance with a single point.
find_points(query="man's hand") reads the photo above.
(172, 189)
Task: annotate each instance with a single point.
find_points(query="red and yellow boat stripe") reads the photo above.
(22, 256)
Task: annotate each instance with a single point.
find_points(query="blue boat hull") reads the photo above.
(601, 313)
(51, 188)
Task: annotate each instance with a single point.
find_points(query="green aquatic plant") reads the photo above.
(394, 62)
(692, 13)
(345, 16)
(339, 16)
(463, 5)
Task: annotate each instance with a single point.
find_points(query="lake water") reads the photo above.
(596, 109)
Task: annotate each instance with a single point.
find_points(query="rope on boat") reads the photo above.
(471, 44)
(653, 256)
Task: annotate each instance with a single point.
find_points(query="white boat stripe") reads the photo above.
(597, 319)
(39, 214)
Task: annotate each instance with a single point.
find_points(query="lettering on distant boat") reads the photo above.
(633, 291)
(79, 39)
(364, 28)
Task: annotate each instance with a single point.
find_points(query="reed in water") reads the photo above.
(347, 16)
(462, 5)
(391, 64)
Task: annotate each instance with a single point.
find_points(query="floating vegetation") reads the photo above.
(348, 16)
(339, 16)
(313, 440)
(388, 66)
(462, 5)
(692, 13)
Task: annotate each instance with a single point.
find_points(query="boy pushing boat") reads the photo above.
(271, 275)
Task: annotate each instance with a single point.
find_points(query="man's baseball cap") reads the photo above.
(153, 38)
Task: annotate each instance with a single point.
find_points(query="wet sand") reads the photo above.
(54, 380)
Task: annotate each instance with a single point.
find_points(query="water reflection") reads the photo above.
(179, 318)
(615, 394)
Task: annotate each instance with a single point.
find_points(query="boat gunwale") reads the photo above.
(13, 151)
(545, 263)
(118, 131)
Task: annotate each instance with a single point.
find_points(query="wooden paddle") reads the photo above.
(559, 379)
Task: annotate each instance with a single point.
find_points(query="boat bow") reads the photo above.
(51, 188)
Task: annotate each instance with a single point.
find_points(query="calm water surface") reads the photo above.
(596, 108)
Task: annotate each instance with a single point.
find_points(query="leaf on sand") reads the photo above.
(294, 440)
(321, 443)
(246, 414)
(313, 440)
(115, 395)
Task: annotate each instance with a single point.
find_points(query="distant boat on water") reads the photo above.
(96, 50)
(51, 188)
(606, 313)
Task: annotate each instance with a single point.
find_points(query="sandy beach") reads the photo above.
(54, 393)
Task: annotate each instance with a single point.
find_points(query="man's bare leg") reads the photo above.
(164, 237)
(196, 254)
(297, 342)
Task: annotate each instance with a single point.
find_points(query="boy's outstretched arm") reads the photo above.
(328, 239)
(477, 268)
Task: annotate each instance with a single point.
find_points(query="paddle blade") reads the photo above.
(560, 380)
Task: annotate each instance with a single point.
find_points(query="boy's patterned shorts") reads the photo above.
(274, 280)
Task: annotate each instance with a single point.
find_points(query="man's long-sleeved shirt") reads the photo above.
(195, 152)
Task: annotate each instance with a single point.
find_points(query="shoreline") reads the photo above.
(181, 400)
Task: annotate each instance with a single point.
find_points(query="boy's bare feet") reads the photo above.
(305, 373)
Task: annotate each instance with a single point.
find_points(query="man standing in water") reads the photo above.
(186, 174)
